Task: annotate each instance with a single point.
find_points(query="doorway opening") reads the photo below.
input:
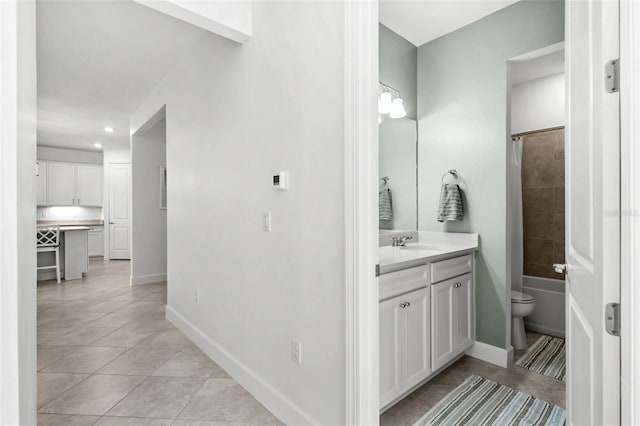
(149, 202)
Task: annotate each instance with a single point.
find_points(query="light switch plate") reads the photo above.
(266, 221)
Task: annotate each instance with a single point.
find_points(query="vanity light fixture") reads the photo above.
(390, 102)
(384, 103)
(397, 109)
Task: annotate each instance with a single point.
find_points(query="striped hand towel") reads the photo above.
(385, 209)
(450, 203)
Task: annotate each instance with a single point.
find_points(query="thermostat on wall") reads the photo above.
(281, 180)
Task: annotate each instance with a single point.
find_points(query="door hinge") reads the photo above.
(612, 318)
(377, 270)
(612, 76)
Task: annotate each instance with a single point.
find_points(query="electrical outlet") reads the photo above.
(196, 295)
(296, 351)
(266, 221)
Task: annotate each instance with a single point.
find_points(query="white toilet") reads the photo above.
(522, 305)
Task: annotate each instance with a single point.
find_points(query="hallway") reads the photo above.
(108, 356)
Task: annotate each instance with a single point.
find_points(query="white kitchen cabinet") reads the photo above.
(61, 184)
(452, 330)
(41, 182)
(89, 185)
(404, 343)
(74, 184)
(96, 241)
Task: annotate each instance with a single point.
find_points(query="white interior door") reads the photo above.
(593, 213)
(119, 211)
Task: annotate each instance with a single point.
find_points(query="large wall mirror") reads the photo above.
(398, 173)
(398, 136)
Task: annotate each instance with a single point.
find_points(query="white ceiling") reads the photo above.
(533, 69)
(421, 21)
(97, 62)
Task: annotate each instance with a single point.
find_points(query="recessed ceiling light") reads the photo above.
(97, 145)
(108, 129)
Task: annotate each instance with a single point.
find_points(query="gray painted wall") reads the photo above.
(149, 222)
(237, 114)
(398, 67)
(462, 115)
(48, 153)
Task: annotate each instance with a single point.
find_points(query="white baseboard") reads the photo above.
(544, 330)
(148, 279)
(273, 400)
(493, 354)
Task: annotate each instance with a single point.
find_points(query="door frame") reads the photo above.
(630, 210)
(17, 212)
(361, 205)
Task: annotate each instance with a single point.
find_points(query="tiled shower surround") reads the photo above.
(543, 202)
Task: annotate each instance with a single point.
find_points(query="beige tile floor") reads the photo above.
(409, 410)
(108, 356)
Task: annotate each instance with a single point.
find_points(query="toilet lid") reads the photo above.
(520, 297)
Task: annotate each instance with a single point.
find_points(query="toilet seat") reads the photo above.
(519, 297)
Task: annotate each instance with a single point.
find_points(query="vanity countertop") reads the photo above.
(431, 246)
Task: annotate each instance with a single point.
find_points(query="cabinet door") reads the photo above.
(41, 179)
(89, 185)
(442, 323)
(95, 242)
(464, 330)
(61, 181)
(414, 308)
(389, 329)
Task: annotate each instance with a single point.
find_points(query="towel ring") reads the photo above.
(452, 172)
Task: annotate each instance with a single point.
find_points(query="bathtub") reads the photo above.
(548, 317)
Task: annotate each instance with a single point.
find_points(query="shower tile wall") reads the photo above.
(543, 202)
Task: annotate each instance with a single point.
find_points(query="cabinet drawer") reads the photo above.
(451, 268)
(400, 282)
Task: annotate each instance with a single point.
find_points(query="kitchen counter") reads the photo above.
(74, 228)
(431, 246)
(74, 257)
(72, 222)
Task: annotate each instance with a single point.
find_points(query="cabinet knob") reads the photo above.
(405, 305)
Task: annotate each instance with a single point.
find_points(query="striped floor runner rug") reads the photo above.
(481, 402)
(546, 356)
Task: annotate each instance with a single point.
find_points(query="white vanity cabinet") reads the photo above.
(452, 310)
(404, 332)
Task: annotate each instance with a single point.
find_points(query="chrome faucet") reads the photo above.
(400, 241)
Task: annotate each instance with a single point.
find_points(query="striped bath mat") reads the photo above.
(547, 357)
(481, 402)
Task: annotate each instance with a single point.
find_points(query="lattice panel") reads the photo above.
(48, 236)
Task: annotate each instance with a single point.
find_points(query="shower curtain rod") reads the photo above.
(517, 135)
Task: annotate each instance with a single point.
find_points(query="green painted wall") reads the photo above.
(462, 124)
(398, 66)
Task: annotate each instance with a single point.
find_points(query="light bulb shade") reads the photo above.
(397, 109)
(384, 103)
